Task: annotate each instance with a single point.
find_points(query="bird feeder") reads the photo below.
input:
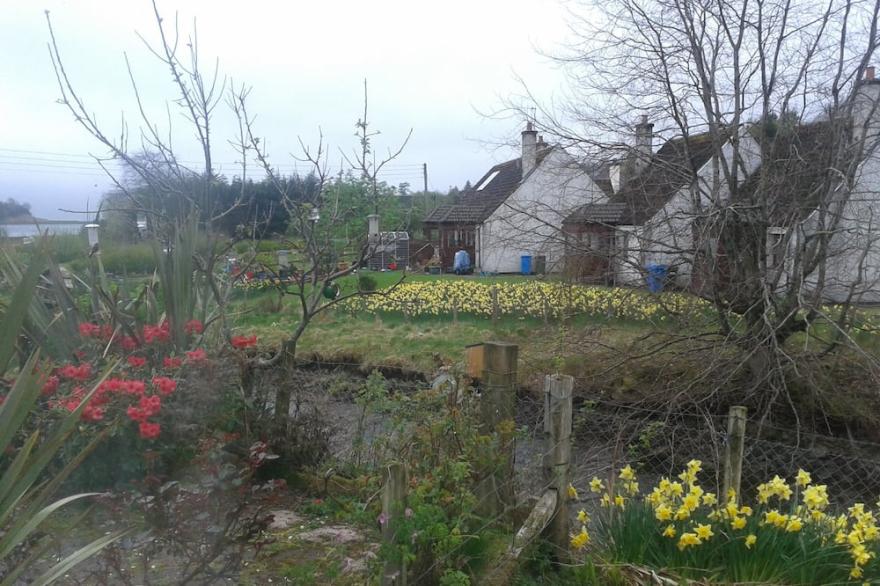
(92, 233)
(331, 291)
(283, 259)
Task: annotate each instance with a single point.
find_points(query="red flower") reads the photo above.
(149, 430)
(80, 373)
(172, 362)
(92, 413)
(193, 326)
(243, 341)
(89, 330)
(197, 355)
(50, 386)
(134, 387)
(164, 385)
(150, 405)
(136, 361)
(159, 333)
(136, 414)
(129, 343)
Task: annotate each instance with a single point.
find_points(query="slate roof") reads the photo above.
(797, 174)
(670, 168)
(475, 205)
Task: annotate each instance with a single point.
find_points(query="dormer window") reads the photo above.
(487, 180)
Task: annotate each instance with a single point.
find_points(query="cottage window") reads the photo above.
(487, 180)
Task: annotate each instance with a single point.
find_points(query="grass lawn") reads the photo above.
(424, 343)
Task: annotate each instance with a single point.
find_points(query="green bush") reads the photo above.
(366, 283)
(134, 258)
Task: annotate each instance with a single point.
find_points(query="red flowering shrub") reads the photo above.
(172, 362)
(164, 385)
(149, 430)
(242, 342)
(88, 330)
(129, 343)
(159, 333)
(196, 356)
(82, 372)
(121, 395)
(136, 361)
(51, 385)
(193, 326)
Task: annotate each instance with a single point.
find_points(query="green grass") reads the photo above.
(424, 343)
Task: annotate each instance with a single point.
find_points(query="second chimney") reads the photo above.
(644, 147)
(529, 149)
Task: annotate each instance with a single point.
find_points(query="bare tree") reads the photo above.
(322, 260)
(176, 200)
(763, 196)
(181, 208)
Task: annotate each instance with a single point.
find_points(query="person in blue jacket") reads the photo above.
(461, 263)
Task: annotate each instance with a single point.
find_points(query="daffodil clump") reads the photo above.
(788, 537)
(525, 299)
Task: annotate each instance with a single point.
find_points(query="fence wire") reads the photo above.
(660, 442)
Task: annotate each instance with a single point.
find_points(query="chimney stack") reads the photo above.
(869, 73)
(644, 147)
(529, 149)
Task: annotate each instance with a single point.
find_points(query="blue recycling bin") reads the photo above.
(656, 277)
(525, 265)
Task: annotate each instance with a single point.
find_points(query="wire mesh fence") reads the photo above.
(659, 443)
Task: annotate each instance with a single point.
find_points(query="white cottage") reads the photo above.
(516, 209)
(656, 211)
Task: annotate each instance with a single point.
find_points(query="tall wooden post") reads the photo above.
(493, 293)
(393, 506)
(559, 415)
(733, 453)
(455, 311)
(498, 400)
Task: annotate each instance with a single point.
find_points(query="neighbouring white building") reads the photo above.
(515, 210)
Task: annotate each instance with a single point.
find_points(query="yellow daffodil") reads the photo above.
(627, 473)
(580, 540)
(703, 531)
(663, 513)
(572, 493)
(596, 485)
(669, 531)
(794, 525)
(582, 516)
(750, 540)
(688, 540)
(803, 478)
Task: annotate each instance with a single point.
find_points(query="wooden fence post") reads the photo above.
(497, 402)
(733, 453)
(393, 506)
(493, 293)
(455, 311)
(559, 414)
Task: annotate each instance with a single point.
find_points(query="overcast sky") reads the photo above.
(432, 66)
